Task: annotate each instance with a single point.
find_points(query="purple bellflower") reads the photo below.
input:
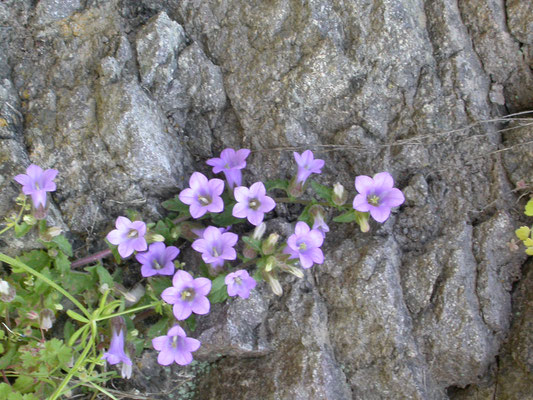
(216, 246)
(188, 295)
(116, 353)
(36, 182)
(305, 244)
(158, 260)
(203, 195)
(230, 162)
(252, 203)
(377, 195)
(175, 346)
(307, 165)
(240, 283)
(129, 236)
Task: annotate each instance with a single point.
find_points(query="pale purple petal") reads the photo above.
(383, 180)
(183, 357)
(306, 261)
(39, 198)
(360, 203)
(241, 194)
(200, 305)
(393, 198)
(115, 236)
(196, 210)
(170, 295)
(202, 286)
(240, 210)
(123, 224)
(364, 184)
(182, 311)
(216, 206)
(125, 249)
(190, 344)
(181, 277)
(301, 228)
(216, 186)
(24, 180)
(314, 238)
(160, 342)
(380, 214)
(267, 204)
(316, 255)
(187, 196)
(165, 358)
(255, 217)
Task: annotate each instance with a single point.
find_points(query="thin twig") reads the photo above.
(90, 259)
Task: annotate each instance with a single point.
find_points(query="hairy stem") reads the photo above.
(90, 259)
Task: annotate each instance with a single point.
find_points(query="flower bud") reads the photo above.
(33, 315)
(274, 284)
(7, 292)
(291, 269)
(58, 306)
(104, 287)
(134, 295)
(259, 231)
(47, 319)
(270, 264)
(248, 252)
(4, 287)
(269, 245)
(154, 237)
(51, 233)
(20, 199)
(29, 219)
(362, 220)
(175, 232)
(339, 194)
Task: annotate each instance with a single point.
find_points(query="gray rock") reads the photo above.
(48, 11)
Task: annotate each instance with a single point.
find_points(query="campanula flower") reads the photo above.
(230, 162)
(188, 295)
(175, 346)
(158, 260)
(252, 203)
(116, 353)
(129, 236)
(305, 244)
(216, 247)
(377, 195)
(307, 165)
(317, 212)
(240, 283)
(36, 183)
(203, 195)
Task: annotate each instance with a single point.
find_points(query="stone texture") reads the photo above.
(126, 98)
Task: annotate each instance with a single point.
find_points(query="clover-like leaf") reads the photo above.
(522, 233)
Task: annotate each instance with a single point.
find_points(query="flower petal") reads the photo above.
(393, 198)
(380, 214)
(364, 184)
(360, 203)
(200, 305)
(202, 286)
(383, 180)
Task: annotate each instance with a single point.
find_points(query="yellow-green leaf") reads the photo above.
(528, 242)
(529, 208)
(76, 316)
(529, 251)
(522, 233)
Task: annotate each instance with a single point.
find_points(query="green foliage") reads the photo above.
(323, 191)
(348, 216)
(529, 208)
(218, 292)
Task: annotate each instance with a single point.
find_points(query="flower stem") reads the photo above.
(300, 201)
(90, 259)
(130, 311)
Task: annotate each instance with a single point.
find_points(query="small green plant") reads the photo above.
(59, 315)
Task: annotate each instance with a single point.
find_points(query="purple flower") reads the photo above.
(216, 246)
(158, 260)
(230, 162)
(307, 165)
(36, 183)
(203, 195)
(240, 283)
(377, 195)
(116, 353)
(175, 346)
(305, 244)
(129, 236)
(188, 295)
(252, 203)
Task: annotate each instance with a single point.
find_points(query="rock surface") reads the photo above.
(127, 97)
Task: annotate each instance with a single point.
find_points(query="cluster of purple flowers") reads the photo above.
(187, 294)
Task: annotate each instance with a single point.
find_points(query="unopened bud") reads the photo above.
(53, 253)
(154, 237)
(126, 370)
(339, 194)
(362, 220)
(248, 252)
(175, 232)
(58, 306)
(33, 315)
(47, 318)
(104, 287)
(274, 284)
(270, 264)
(269, 245)
(7, 292)
(20, 198)
(259, 231)
(291, 269)
(40, 213)
(4, 287)
(135, 294)
(51, 233)
(29, 219)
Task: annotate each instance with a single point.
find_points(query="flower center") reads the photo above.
(37, 186)
(302, 246)
(132, 234)
(373, 200)
(204, 200)
(254, 204)
(175, 341)
(156, 265)
(187, 294)
(237, 280)
(226, 166)
(215, 252)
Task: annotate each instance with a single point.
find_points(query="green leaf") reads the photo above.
(323, 191)
(158, 329)
(226, 218)
(7, 359)
(253, 243)
(305, 216)
(159, 284)
(63, 244)
(78, 282)
(529, 208)
(191, 323)
(74, 315)
(37, 259)
(103, 275)
(282, 184)
(77, 334)
(5, 390)
(522, 233)
(23, 384)
(176, 205)
(218, 292)
(61, 263)
(41, 286)
(22, 229)
(163, 229)
(55, 353)
(68, 330)
(348, 216)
